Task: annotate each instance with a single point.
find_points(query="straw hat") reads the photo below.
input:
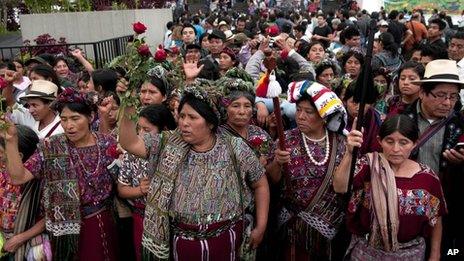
(441, 71)
(42, 89)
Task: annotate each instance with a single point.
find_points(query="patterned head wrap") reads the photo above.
(70, 95)
(235, 80)
(329, 106)
(205, 91)
(160, 73)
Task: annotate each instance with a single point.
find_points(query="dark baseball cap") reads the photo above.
(193, 46)
(217, 34)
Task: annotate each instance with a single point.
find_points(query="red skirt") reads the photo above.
(224, 246)
(137, 221)
(98, 238)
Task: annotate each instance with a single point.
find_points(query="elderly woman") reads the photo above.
(312, 211)
(78, 187)
(239, 105)
(396, 202)
(203, 183)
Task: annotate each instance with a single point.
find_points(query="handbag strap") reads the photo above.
(428, 133)
(237, 172)
(53, 129)
(328, 176)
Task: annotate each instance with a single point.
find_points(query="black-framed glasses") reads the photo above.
(441, 96)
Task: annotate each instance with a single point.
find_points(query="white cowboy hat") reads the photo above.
(441, 71)
(42, 89)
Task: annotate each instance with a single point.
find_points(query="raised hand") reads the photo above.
(354, 138)
(191, 69)
(105, 106)
(77, 53)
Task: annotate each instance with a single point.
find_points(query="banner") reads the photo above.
(450, 6)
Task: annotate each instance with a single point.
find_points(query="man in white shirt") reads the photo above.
(456, 52)
(38, 115)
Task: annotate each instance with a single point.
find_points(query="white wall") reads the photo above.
(371, 5)
(82, 27)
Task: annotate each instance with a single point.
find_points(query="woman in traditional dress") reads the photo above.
(238, 103)
(203, 183)
(395, 201)
(134, 176)
(19, 205)
(312, 211)
(78, 188)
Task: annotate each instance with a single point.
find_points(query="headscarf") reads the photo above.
(205, 91)
(329, 106)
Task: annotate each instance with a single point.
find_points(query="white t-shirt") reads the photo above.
(22, 116)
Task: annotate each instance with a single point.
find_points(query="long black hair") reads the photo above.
(27, 141)
(159, 115)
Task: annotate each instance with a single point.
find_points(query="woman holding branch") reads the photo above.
(204, 181)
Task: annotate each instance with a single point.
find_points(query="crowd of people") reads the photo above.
(190, 164)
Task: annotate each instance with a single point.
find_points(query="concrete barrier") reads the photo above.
(82, 27)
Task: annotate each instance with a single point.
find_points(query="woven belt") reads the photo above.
(204, 234)
(90, 211)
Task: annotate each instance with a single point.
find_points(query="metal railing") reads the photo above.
(100, 52)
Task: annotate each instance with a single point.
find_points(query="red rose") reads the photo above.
(139, 28)
(113, 151)
(256, 142)
(175, 50)
(3, 83)
(144, 50)
(160, 54)
(273, 31)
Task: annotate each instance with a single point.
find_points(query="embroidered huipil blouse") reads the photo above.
(95, 181)
(207, 189)
(420, 202)
(133, 169)
(10, 199)
(306, 177)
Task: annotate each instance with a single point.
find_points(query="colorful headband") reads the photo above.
(69, 95)
(235, 79)
(205, 91)
(160, 73)
(328, 105)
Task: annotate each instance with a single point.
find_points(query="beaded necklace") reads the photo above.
(327, 148)
(98, 159)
